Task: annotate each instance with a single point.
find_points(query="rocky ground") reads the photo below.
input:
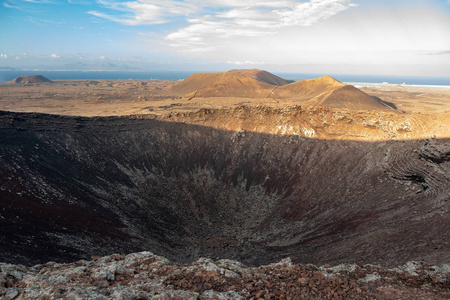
(147, 276)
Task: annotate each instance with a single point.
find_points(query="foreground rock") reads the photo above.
(145, 275)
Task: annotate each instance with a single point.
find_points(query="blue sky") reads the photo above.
(316, 36)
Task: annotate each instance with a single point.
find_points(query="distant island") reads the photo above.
(7, 69)
(77, 66)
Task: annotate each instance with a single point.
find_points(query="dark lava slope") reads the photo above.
(71, 187)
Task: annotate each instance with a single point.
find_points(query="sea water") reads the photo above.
(410, 80)
(64, 75)
(179, 75)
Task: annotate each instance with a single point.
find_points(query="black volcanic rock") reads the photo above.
(72, 187)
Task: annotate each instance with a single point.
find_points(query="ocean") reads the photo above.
(137, 75)
(410, 80)
(178, 75)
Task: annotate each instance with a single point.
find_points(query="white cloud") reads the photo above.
(3, 56)
(287, 32)
(243, 13)
(278, 13)
(29, 6)
(54, 56)
(38, 1)
(15, 5)
(9, 6)
(306, 14)
(247, 62)
(144, 12)
(446, 52)
(250, 3)
(112, 18)
(318, 32)
(255, 19)
(42, 22)
(80, 2)
(203, 32)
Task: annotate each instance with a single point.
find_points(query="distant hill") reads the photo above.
(324, 91)
(307, 89)
(260, 75)
(235, 83)
(30, 79)
(350, 97)
(329, 92)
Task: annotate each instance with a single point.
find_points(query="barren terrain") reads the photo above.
(92, 168)
(411, 98)
(126, 97)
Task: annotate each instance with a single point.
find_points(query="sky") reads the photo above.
(378, 37)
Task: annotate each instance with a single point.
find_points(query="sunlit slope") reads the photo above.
(235, 83)
(324, 91)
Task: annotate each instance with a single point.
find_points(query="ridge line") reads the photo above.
(272, 91)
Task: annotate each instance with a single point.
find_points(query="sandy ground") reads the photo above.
(126, 97)
(411, 98)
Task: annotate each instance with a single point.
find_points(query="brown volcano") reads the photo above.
(329, 92)
(30, 79)
(308, 89)
(323, 91)
(235, 83)
(260, 75)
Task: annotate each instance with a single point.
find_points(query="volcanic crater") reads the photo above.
(253, 183)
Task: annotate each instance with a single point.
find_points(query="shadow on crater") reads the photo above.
(73, 187)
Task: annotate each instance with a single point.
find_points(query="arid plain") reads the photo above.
(426, 109)
(126, 97)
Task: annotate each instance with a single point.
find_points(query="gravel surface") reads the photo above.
(147, 276)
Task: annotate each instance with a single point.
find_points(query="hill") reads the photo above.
(324, 91)
(30, 79)
(329, 92)
(350, 97)
(308, 89)
(234, 83)
(260, 75)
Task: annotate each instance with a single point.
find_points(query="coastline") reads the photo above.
(379, 85)
(364, 80)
